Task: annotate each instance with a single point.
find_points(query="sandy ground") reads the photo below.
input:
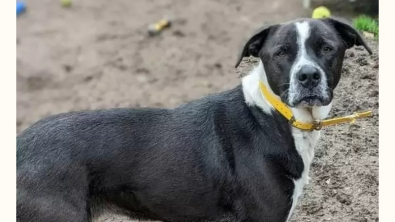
(97, 55)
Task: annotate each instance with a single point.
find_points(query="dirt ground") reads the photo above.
(96, 54)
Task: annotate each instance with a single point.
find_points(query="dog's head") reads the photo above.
(303, 58)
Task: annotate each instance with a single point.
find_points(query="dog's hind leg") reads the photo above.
(55, 194)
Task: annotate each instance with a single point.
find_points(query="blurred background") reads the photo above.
(93, 54)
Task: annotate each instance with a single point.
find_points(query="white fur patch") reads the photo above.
(251, 90)
(304, 141)
(316, 113)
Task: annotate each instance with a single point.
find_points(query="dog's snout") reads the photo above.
(309, 76)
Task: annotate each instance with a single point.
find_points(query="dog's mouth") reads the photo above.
(307, 100)
(310, 101)
(300, 97)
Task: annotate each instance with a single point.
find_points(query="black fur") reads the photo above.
(214, 159)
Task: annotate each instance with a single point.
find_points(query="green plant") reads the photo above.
(367, 24)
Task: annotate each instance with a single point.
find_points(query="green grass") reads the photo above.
(367, 24)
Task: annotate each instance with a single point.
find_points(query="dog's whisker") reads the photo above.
(282, 94)
(283, 84)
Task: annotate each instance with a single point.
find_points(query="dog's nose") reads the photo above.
(309, 76)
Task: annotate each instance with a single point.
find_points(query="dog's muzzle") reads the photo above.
(309, 88)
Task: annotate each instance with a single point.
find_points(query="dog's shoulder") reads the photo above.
(228, 101)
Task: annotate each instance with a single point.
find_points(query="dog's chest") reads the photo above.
(304, 144)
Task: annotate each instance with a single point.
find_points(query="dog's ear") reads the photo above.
(349, 35)
(254, 44)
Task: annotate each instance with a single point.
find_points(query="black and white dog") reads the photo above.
(225, 157)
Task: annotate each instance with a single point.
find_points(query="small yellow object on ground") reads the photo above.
(158, 27)
(66, 3)
(321, 12)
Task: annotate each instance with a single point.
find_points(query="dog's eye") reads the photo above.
(327, 49)
(281, 53)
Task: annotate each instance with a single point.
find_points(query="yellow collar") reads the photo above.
(316, 124)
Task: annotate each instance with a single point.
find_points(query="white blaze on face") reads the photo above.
(302, 60)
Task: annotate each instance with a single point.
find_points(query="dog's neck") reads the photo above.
(253, 96)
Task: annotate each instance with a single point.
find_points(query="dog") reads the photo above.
(229, 156)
